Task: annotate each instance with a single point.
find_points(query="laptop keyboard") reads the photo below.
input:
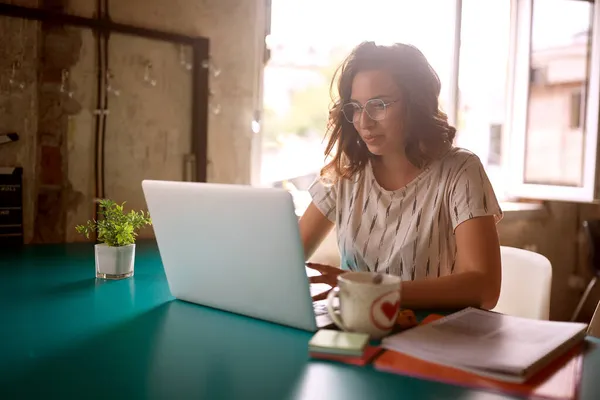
(320, 307)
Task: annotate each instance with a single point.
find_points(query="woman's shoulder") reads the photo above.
(460, 155)
(456, 159)
(336, 184)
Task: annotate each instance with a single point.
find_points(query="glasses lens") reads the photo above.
(350, 111)
(376, 109)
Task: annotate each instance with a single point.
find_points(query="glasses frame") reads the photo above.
(363, 109)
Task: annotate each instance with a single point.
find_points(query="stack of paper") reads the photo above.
(489, 344)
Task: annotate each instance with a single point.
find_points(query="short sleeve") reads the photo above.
(324, 196)
(472, 194)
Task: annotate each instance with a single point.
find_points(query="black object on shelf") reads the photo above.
(8, 137)
(11, 206)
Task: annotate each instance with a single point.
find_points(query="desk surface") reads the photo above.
(65, 334)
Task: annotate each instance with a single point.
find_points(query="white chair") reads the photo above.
(526, 284)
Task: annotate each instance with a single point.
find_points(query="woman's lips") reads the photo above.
(371, 139)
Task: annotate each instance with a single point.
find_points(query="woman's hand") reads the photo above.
(328, 276)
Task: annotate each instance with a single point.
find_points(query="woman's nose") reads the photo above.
(364, 120)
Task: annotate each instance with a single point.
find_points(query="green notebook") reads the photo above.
(338, 342)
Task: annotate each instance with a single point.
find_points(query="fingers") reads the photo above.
(324, 269)
(321, 296)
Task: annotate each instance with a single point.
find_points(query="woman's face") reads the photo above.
(376, 109)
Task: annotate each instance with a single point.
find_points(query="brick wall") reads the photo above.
(59, 51)
(19, 48)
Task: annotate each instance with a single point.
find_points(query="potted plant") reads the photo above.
(116, 232)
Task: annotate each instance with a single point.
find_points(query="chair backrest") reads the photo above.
(526, 284)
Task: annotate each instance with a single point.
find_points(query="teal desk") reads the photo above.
(66, 335)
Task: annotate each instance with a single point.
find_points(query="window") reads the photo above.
(482, 81)
(522, 89)
(495, 153)
(554, 129)
(576, 109)
(523, 79)
(297, 76)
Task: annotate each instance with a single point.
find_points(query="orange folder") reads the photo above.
(560, 380)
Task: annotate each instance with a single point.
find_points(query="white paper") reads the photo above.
(481, 340)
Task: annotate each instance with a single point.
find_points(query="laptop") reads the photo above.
(235, 248)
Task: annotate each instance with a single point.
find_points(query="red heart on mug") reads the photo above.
(390, 309)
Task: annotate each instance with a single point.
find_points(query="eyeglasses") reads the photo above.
(375, 108)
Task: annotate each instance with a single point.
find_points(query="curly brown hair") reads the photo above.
(427, 131)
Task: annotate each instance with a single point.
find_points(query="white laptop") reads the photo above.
(235, 248)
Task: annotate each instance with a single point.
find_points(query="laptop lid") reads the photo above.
(232, 247)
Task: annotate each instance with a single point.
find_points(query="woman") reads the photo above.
(403, 200)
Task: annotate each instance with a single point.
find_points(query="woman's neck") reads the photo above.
(396, 163)
(394, 172)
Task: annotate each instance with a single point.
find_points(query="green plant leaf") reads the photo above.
(115, 228)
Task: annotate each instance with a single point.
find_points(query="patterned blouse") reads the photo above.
(410, 231)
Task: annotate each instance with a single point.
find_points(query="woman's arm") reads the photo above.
(477, 275)
(314, 226)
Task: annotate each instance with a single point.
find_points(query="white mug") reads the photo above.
(365, 305)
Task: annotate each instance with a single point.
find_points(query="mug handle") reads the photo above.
(335, 316)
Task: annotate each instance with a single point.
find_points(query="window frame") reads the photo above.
(454, 90)
(517, 110)
(517, 97)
